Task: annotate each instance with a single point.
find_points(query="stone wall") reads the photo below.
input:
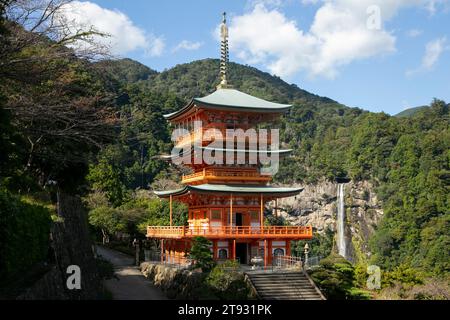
(175, 283)
(49, 287)
(191, 284)
(71, 245)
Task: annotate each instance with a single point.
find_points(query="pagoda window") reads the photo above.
(278, 252)
(254, 215)
(223, 254)
(216, 214)
(199, 215)
(261, 252)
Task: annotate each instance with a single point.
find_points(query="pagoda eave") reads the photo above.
(277, 192)
(230, 100)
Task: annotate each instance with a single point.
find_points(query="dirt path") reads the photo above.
(132, 285)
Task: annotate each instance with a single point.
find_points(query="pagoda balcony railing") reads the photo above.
(280, 232)
(194, 136)
(214, 174)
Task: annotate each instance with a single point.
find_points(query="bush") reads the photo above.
(25, 230)
(402, 275)
(360, 273)
(431, 289)
(335, 277)
(201, 254)
(227, 282)
(105, 269)
(339, 279)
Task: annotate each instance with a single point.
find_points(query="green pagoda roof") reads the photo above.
(280, 192)
(231, 100)
(281, 152)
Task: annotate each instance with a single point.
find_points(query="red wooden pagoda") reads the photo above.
(226, 202)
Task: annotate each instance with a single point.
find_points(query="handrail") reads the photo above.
(193, 136)
(223, 173)
(230, 231)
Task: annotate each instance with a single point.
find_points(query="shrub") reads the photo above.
(105, 269)
(227, 282)
(335, 277)
(201, 254)
(402, 274)
(25, 230)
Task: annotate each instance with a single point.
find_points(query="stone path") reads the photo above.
(131, 285)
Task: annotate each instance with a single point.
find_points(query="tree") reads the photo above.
(335, 277)
(56, 99)
(108, 220)
(201, 254)
(107, 176)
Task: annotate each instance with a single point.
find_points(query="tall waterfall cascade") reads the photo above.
(341, 242)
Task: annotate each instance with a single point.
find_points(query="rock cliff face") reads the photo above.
(71, 246)
(317, 206)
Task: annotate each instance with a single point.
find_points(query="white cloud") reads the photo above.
(188, 45)
(307, 2)
(155, 46)
(433, 5)
(124, 35)
(414, 33)
(267, 3)
(433, 51)
(338, 36)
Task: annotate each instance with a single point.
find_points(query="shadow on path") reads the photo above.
(131, 284)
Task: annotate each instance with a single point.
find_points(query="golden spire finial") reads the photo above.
(224, 54)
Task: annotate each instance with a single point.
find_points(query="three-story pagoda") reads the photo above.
(226, 201)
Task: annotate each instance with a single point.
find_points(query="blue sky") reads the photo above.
(384, 58)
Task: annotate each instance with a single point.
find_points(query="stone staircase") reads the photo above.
(284, 286)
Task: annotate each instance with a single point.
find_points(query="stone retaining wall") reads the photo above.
(175, 283)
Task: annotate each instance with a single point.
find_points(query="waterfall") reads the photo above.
(341, 244)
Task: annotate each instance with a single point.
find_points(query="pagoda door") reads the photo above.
(239, 219)
(246, 219)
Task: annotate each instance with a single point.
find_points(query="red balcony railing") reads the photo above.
(228, 174)
(281, 232)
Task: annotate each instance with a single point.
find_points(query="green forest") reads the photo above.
(92, 127)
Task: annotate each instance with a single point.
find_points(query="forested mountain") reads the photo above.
(410, 112)
(126, 70)
(200, 78)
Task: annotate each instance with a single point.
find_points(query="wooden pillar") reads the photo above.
(234, 249)
(288, 248)
(231, 210)
(261, 214)
(265, 253)
(162, 250)
(269, 252)
(276, 208)
(171, 217)
(215, 249)
(209, 214)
